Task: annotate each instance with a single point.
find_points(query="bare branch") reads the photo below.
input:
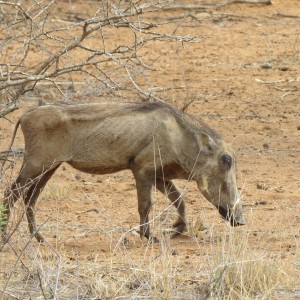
(38, 36)
(266, 2)
(215, 5)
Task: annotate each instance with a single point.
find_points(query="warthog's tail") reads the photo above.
(4, 158)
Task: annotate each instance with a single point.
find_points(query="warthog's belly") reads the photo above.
(98, 167)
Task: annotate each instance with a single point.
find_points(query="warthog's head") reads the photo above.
(215, 173)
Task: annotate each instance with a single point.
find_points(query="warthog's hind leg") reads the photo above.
(30, 200)
(11, 195)
(169, 189)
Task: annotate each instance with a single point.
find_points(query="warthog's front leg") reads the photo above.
(169, 189)
(144, 188)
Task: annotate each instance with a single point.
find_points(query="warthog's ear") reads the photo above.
(206, 142)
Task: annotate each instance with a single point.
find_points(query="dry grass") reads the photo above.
(241, 273)
(231, 269)
(54, 191)
(223, 264)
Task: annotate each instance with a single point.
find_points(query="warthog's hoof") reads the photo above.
(173, 232)
(39, 237)
(153, 240)
(4, 239)
(178, 229)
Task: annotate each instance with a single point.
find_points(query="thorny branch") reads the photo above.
(36, 46)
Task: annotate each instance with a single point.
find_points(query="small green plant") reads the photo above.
(2, 216)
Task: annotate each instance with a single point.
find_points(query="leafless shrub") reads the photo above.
(38, 48)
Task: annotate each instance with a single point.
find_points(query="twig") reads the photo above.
(265, 2)
(187, 104)
(192, 7)
(10, 294)
(5, 118)
(148, 96)
(270, 82)
(7, 110)
(285, 94)
(277, 81)
(215, 6)
(41, 285)
(13, 152)
(286, 16)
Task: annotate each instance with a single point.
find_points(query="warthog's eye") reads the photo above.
(226, 161)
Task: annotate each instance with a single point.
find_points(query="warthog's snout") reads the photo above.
(235, 219)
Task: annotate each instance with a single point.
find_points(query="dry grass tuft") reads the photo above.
(195, 227)
(54, 191)
(240, 273)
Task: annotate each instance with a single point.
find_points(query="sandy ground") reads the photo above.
(243, 75)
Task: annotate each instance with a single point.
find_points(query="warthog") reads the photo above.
(155, 141)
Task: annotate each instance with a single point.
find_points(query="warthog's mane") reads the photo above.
(189, 121)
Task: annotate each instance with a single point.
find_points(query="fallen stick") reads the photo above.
(286, 16)
(192, 7)
(265, 2)
(270, 82)
(215, 6)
